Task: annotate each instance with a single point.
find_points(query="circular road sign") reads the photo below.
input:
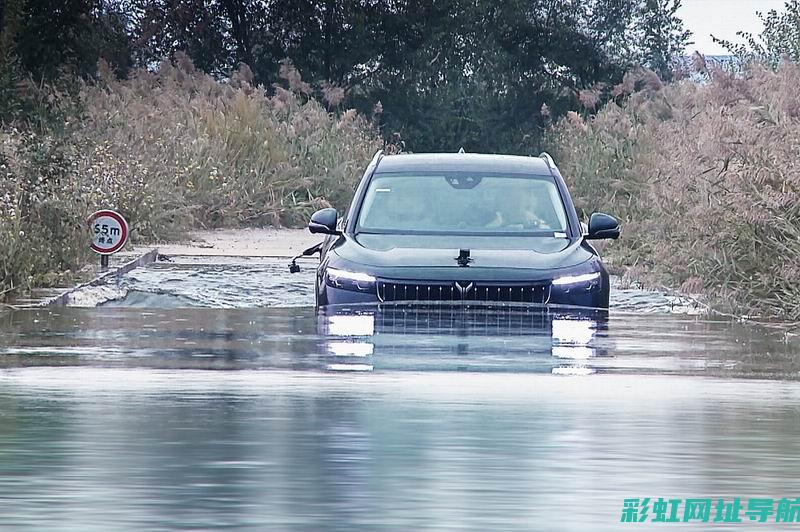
(109, 231)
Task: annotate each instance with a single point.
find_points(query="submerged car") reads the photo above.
(461, 228)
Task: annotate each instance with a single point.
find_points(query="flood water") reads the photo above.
(205, 397)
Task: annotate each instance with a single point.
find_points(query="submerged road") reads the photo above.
(119, 416)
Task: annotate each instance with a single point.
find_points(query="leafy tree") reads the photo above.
(661, 35)
(200, 28)
(46, 45)
(450, 73)
(476, 73)
(780, 37)
(51, 37)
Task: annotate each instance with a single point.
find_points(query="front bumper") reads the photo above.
(594, 294)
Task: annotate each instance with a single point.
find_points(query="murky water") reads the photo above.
(186, 401)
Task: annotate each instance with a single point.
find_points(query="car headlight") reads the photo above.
(572, 280)
(345, 280)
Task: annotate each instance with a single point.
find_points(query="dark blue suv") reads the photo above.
(461, 228)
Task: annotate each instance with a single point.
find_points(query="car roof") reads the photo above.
(458, 162)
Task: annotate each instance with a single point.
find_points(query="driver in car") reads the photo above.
(518, 213)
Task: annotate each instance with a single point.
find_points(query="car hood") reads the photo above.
(394, 255)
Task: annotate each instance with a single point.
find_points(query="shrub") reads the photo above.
(42, 208)
(178, 149)
(172, 150)
(705, 177)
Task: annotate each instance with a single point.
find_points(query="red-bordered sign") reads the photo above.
(109, 231)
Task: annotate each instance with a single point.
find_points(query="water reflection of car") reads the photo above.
(419, 337)
(461, 228)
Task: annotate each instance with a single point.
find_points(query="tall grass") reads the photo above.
(172, 150)
(707, 180)
(42, 208)
(178, 149)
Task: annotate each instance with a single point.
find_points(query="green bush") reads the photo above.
(706, 179)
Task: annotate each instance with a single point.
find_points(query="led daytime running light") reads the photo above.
(358, 277)
(576, 279)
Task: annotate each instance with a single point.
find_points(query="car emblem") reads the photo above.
(463, 258)
(463, 288)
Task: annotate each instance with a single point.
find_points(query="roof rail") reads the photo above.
(548, 159)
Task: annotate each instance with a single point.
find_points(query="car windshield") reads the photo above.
(462, 203)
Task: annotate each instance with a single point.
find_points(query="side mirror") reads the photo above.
(602, 226)
(324, 221)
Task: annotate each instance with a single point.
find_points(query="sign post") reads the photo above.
(109, 234)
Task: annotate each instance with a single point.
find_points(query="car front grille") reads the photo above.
(528, 292)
